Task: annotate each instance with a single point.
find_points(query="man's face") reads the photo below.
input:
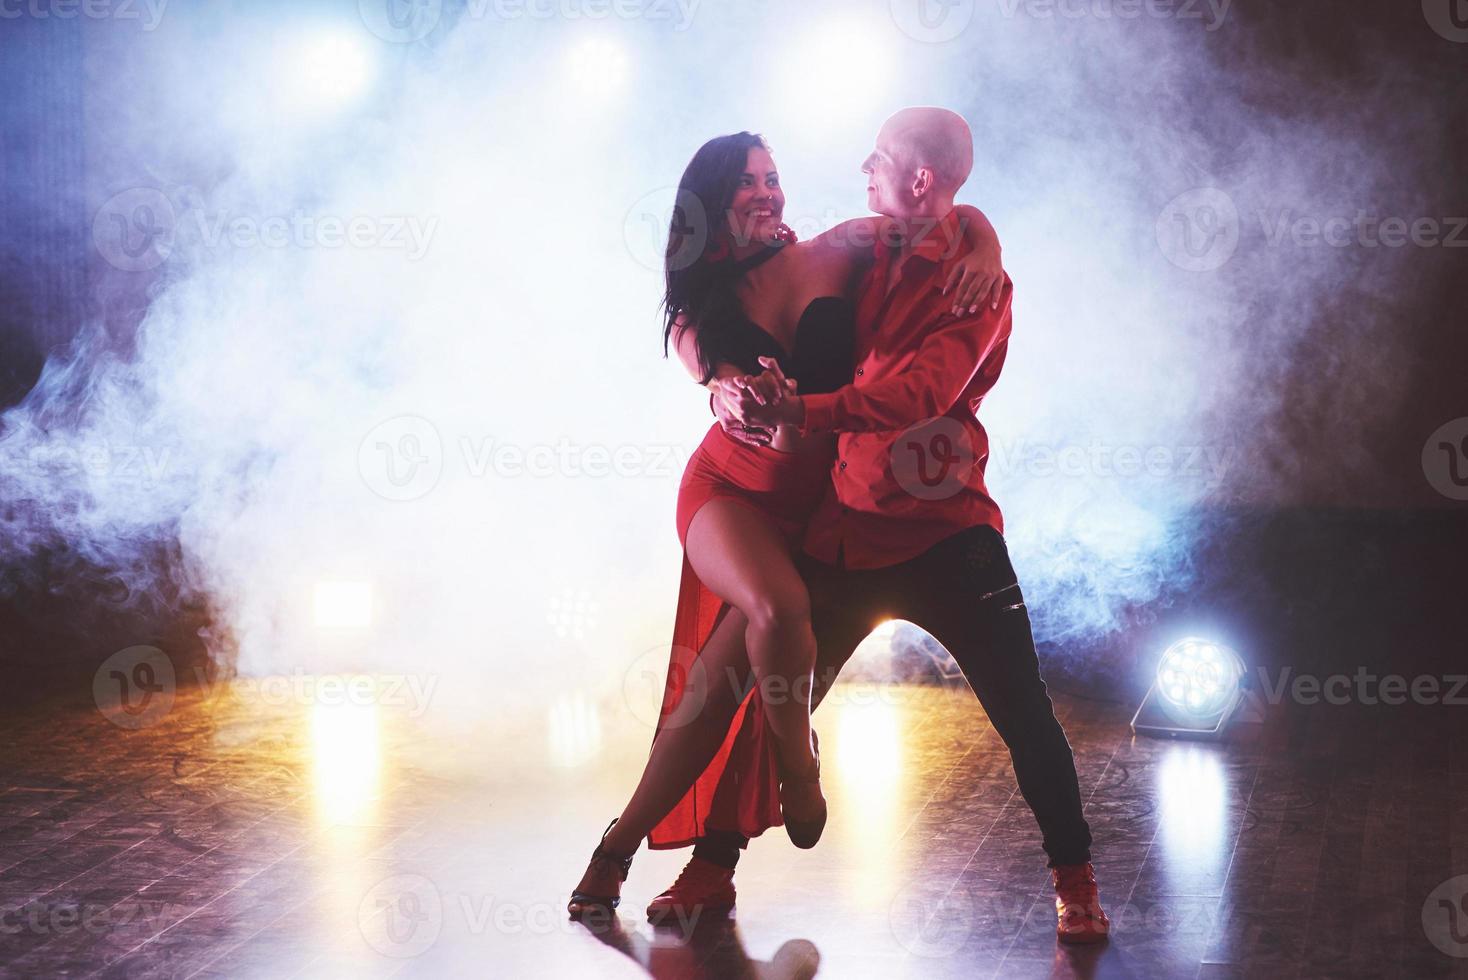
(889, 182)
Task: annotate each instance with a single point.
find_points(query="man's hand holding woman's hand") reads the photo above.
(750, 406)
(722, 402)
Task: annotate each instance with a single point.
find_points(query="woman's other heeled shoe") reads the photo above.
(583, 902)
(804, 834)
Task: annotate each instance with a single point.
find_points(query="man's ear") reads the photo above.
(922, 182)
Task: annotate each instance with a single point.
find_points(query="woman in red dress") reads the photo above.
(730, 755)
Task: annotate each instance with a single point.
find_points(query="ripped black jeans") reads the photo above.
(965, 593)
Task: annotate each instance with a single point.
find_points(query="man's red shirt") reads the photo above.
(910, 458)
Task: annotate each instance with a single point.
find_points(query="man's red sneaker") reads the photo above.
(703, 888)
(1078, 906)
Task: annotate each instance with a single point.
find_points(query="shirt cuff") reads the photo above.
(820, 415)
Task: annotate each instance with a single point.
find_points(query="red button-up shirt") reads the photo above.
(910, 459)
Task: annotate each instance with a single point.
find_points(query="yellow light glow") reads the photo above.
(342, 605)
(870, 746)
(346, 749)
(885, 628)
(574, 730)
(868, 791)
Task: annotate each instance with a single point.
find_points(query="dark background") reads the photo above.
(1338, 571)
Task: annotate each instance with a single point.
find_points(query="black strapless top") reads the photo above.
(824, 354)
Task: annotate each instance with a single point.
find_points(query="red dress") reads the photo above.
(785, 488)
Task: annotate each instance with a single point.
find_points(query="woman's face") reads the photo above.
(759, 203)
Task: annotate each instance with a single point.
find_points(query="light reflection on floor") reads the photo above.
(332, 836)
(1193, 795)
(346, 761)
(869, 791)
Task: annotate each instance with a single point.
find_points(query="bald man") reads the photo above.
(908, 529)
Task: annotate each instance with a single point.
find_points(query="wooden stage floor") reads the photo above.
(237, 836)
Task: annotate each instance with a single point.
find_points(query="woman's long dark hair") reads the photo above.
(700, 275)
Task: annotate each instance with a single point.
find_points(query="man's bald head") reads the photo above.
(916, 139)
(939, 139)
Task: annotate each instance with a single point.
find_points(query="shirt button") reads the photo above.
(860, 372)
(843, 464)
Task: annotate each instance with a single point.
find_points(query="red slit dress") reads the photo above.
(739, 790)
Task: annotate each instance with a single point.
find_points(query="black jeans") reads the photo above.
(965, 593)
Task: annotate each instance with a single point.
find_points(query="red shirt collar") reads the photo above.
(936, 242)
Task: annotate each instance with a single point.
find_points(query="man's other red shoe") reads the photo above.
(1078, 905)
(703, 888)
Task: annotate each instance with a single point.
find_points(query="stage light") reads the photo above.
(596, 67)
(1197, 678)
(323, 71)
(342, 605)
(1198, 686)
(839, 79)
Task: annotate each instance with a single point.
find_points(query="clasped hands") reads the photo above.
(751, 406)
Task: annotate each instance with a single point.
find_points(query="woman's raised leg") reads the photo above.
(740, 555)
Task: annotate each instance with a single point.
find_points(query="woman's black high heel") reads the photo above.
(583, 902)
(805, 833)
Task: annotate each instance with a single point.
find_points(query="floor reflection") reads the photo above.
(336, 834)
(1192, 795)
(712, 950)
(346, 760)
